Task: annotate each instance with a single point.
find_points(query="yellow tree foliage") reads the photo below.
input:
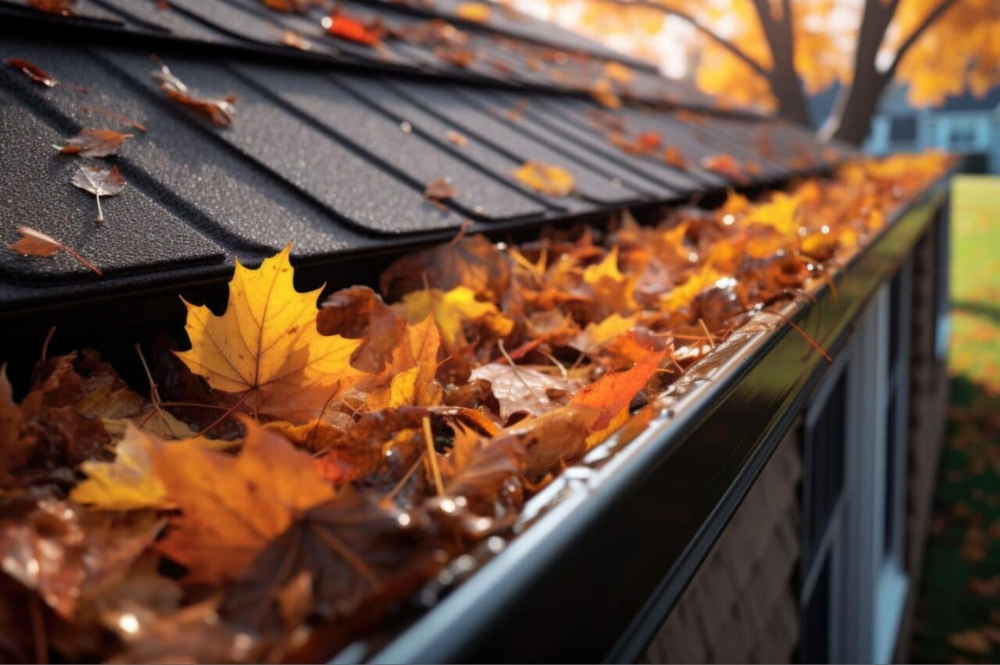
(768, 53)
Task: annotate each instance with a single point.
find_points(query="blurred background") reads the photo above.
(890, 76)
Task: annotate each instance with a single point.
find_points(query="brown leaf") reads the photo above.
(970, 641)
(33, 72)
(36, 243)
(612, 393)
(440, 190)
(359, 553)
(94, 143)
(99, 182)
(523, 389)
(64, 553)
(222, 112)
(58, 7)
(458, 139)
(360, 313)
(473, 262)
(234, 506)
(14, 449)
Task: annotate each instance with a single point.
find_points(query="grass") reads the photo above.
(954, 613)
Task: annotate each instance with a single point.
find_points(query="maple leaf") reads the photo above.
(94, 143)
(359, 553)
(232, 507)
(683, 295)
(266, 346)
(545, 178)
(412, 370)
(99, 182)
(612, 392)
(451, 309)
(779, 213)
(222, 112)
(33, 72)
(36, 243)
(128, 483)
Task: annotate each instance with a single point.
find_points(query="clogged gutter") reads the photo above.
(293, 472)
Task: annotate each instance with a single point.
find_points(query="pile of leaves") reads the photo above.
(297, 473)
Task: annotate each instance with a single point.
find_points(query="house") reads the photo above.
(777, 508)
(965, 125)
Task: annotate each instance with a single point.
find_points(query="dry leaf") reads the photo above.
(458, 139)
(94, 143)
(292, 39)
(33, 72)
(36, 243)
(342, 26)
(222, 112)
(475, 12)
(266, 349)
(232, 507)
(440, 190)
(452, 309)
(100, 183)
(545, 178)
(58, 7)
(128, 483)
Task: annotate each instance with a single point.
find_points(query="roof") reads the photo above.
(332, 147)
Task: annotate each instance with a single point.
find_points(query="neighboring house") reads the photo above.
(964, 124)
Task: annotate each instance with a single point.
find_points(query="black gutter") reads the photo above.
(609, 547)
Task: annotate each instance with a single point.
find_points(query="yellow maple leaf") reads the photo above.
(233, 506)
(266, 347)
(128, 483)
(545, 178)
(451, 310)
(683, 295)
(412, 370)
(779, 213)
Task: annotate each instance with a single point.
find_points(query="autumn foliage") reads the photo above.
(304, 464)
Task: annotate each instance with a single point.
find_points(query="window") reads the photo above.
(824, 478)
(962, 135)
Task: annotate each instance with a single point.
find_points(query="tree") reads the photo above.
(773, 53)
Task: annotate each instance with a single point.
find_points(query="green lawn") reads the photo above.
(963, 553)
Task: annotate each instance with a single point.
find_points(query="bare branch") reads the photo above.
(700, 27)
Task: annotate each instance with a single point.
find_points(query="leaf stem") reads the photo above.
(82, 261)
(228, 413)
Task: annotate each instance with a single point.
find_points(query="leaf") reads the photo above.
(359, 553)
(340, 25)
(412, 370)
(475, 12)
(57, 7)
(458, 139)
(451, 310)
(294, 40)
(472, 261)
(128, 483)
(618, 72)
(232, 507)
(604, 93)
(613, 392)
(14, 449)
(725, 165)
(266, 347)
(674, 157)
(359, 313)
(36, 243)
(222, 112)
(64, 553)
(545, 178)
(971, 641)
(440, 190)
(33, 72)
(94, 143)
(525, 390)
(99, 182)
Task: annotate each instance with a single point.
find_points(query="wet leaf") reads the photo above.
(33, 72)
